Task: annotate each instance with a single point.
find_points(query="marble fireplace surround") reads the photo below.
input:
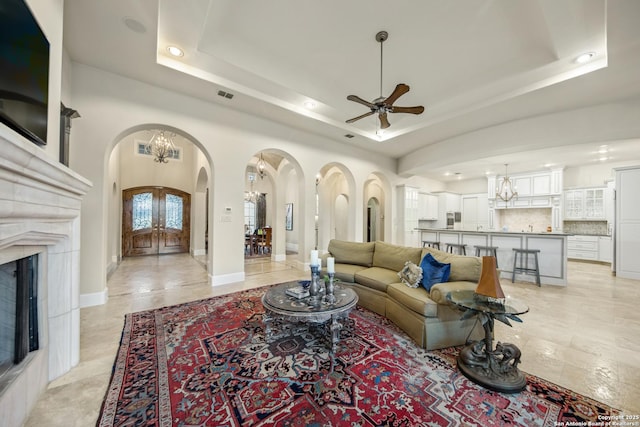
(40, 203)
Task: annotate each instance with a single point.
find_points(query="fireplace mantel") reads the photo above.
(40, 201)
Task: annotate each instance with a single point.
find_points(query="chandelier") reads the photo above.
(161, 147)
(251, 196)
(506, 191)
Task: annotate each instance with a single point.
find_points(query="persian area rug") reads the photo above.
(206, 363)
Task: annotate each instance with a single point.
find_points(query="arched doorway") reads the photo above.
(373, 225)
(341, 215)
(155, 221)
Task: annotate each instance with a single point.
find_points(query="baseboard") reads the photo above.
(224, 279)
(96, 298)
(198, 252)
(279, 257)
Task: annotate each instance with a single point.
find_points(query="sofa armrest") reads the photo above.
(439, 291)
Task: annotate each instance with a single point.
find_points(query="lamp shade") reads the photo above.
(489, 284)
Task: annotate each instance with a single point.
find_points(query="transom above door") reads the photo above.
(155, 220)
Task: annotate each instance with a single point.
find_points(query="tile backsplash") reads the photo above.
(586, 227)
(520, 219)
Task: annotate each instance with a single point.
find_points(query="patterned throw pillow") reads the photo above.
(411, 275)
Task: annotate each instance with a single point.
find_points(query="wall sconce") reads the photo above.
(261, 166)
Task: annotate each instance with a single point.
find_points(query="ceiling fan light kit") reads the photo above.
(382, 105)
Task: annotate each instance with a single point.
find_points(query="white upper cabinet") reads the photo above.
(534, 189)
(427, 207)
(585, 204)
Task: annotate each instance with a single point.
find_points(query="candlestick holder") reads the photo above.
(329, 296)
(314, 287)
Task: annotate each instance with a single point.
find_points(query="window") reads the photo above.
(249, 216)
(142, 149)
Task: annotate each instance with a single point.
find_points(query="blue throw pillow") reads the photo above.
(433, 271)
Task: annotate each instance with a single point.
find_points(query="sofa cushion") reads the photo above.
(377, 278)
(416, 299)
(393, 257)
(463, 267)
(347, 272)
(434, 271)
(356, 253)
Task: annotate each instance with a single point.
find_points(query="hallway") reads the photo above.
(585, 337)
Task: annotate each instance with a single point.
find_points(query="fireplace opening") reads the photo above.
(18, 311)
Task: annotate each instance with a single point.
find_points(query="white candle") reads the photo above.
(314, 257)
(331, 265)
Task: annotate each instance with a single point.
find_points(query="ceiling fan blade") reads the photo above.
(384, 123)
(360, 117)
(400, 90)
(360, 101)
(412, 110)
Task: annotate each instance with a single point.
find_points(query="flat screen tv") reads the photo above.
(24, 72)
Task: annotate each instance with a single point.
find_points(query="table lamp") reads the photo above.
(489, 284)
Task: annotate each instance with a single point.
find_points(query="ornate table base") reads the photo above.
(283, 312)
(333, 324)
(494, 369)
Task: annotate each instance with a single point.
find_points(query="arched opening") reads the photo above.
(274, 207)
(336, 211)
(131, 165)
(340, 215)
(373, 223)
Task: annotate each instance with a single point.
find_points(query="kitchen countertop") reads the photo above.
(543, 233)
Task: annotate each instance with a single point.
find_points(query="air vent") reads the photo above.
(225, 94)
(348, 136)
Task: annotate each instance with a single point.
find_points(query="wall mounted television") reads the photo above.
(24, 72)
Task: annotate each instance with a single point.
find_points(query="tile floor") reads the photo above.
(585, 336)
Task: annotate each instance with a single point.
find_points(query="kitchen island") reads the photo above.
(552, 257)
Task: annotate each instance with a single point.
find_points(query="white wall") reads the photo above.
(595, 175)
(112, 106)
(137, 170)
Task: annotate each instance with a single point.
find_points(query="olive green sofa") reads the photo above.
(371, 270)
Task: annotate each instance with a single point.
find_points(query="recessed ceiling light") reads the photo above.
(447, 173)
(175, 51)
(310, 105)
(134, 25)
(585, 57)
(602, 159)
(548, 165)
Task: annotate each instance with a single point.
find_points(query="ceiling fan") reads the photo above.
(382, 105)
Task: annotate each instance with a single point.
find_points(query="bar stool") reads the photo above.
(461, 248)
(524, 256)
(488, 250)
(431, 244)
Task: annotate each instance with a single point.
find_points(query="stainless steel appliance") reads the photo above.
(450, 220)
(454, 220)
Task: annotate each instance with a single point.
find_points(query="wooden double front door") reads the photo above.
(155, 220)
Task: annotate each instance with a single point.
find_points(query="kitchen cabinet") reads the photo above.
(475, 212)
(585, 204)
(605, 249)
(583, 247)
(427, 207)
(535, 190)
(447, 202)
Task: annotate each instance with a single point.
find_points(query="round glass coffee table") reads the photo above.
(493, 368)
(282, 307)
